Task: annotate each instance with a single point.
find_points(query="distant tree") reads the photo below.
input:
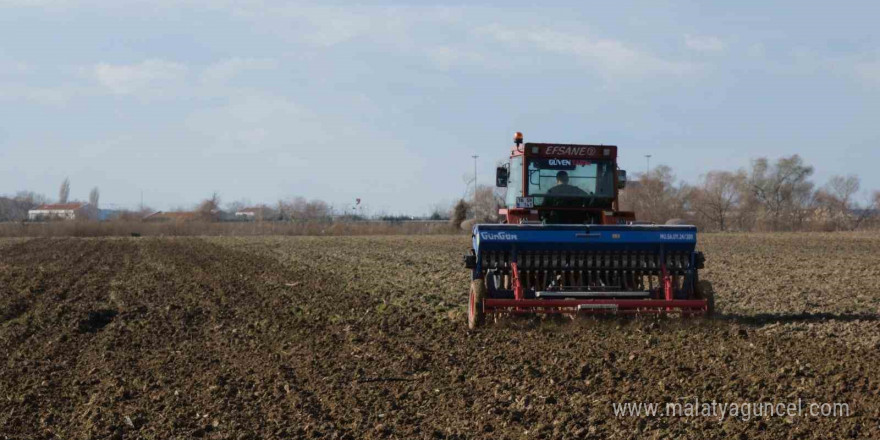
(459, 213)
(486, 204)
(31, 198)
(237, 205)
(440, 211)
(844, 188)
(209, 209)
(64, 191)
(298, 208)
(266, 213)
(783, 190)
(837, 200)
(717, 196)
(94, 195)
(13, 210)
(16, 208)
(316, 210)
(655, 197)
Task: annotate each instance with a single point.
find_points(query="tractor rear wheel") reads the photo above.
(475, 303)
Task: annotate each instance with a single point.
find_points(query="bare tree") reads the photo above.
(655, 197)
(783, 190)
(298, 208)
(837, 202)
(717, 196)
(16, 208)
(486, 203)
(459, 213)
(237, 205)
(316, 210)
(209, 209)
(441, 211)
(13, 209)
(844, 188)
(94, 195)
(64, 191)
(31, 198)
(265, 213)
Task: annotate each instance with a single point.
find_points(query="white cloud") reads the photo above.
(704, 43)
(336, 26)
(224, 71)
(604, 55)
(14, 68)
(57, 96)
(445, 57)
(323, 25)
(401, 28)
(150, 78)
(249, 120)
(757, 50)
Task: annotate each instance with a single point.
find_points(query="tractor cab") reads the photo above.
(562, 184)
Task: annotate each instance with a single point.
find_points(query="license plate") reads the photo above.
(525, 202)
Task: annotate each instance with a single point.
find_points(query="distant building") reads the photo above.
(60, 211)
(173, 216)
(254, 213)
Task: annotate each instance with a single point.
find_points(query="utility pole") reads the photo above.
(648, 168)
(475, 175)
(475, 185)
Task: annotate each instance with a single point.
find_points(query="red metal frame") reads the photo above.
(521, 305)
(626, 306)
(518, 291)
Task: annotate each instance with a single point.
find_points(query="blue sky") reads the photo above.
(387, 101)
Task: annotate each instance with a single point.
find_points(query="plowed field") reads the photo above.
(312, 337)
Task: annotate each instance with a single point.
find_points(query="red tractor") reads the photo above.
(565, 247)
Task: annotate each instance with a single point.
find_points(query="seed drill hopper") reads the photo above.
(564, 247)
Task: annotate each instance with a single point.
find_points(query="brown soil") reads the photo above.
(366, 338)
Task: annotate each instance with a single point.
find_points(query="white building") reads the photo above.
(60, 211)
(255, 213)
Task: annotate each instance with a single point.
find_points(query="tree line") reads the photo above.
(16, 207)
(768, 196)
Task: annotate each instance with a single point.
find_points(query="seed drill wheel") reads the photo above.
(475, 304)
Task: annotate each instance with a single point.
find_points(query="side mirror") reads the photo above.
(621, 179)
(501, 175)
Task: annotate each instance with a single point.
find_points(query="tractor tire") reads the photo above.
(707, 292)
(476, 317)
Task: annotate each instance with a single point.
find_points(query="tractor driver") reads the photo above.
(563, 189)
